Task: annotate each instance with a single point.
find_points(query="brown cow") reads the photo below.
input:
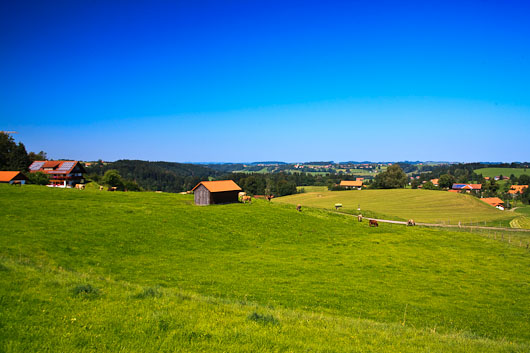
(112, 188)
(246, 199)
(373, 223)
(299, 208)
(411, 222)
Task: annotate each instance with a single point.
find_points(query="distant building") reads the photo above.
(216, 192)
(467, 187)
(64, 174)
(351, 184)
(14, 177)
(435, 181)
(495, 202)
(515, 189)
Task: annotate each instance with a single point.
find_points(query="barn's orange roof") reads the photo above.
(8, 176)
(219, 185)
(494, 201)
(356, 183)
(514, 189)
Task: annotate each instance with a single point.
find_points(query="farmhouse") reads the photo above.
(351, 184)
(467, 187)
(435, 181)
(495, 202)
(216, 192)
(12, 177)
(515, 189)
(64, 174)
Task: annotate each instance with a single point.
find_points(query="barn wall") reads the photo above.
(225, 197)
(202, 196)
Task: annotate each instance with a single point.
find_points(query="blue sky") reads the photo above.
(248, 80)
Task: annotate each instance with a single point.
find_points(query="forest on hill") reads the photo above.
(153, 176)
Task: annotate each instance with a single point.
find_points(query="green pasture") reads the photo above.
(84, 270)
(493, 172)
(402, 204)
(312, 188)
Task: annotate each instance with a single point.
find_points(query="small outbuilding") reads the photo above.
(351, 184)
(14, 177)
(216, 192)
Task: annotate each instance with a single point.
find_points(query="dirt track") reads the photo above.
(442, 225)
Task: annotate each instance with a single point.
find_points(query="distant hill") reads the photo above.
(163, 176)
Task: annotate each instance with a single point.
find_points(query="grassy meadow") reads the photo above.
(493, 172)
(401, 204)
(89, 270)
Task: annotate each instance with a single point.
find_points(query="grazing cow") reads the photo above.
(80, 186)
(373, 223)
(112, 188)
(360, 218)
(299, 208)
(101, 188)
(411, 222)
(269, 197)
(246, 199)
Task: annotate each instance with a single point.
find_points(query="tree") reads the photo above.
(113, 178)
(525, 197)
(392, 178)
(446, 181)
(41, 156)
(13, 156)
(524, 180)
(429, 186)
(286, 188)
(38, 178)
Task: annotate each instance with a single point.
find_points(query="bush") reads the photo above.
(263, 319)
(38, 178)
(86, 290)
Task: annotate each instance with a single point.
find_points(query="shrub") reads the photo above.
(86, 290)
(263, 319)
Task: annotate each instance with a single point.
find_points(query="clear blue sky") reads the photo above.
(248, 80)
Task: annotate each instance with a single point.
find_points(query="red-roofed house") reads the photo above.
(467, 187)
(495, 202)
(216, 192)
(62, 174)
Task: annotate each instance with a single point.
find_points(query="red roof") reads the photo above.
(355, 183)
(6, 177)
(493, 201)
(472, 187)
(514, 189)
(55, 167)
(219, 185)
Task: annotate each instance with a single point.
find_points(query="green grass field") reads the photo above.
(143, 272)
(402, 204)
(493, 172)
(312, 188)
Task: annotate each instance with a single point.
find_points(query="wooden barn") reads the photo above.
(216, 192)
(14, 177)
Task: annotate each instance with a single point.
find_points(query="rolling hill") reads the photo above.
(89, 270)
(401, 204)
